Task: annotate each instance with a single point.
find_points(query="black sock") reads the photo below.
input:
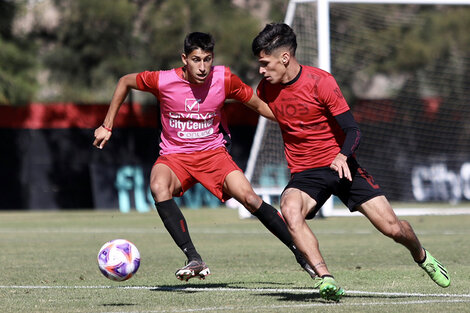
(175, 223)
(273, 221)
(424, 259)
(327, 275)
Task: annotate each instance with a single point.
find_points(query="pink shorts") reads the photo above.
(206, 167)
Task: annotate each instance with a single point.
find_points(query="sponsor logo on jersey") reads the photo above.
(192, 124)
(191, 105)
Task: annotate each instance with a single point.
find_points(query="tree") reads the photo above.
(166, 23)
(96, 42)
(92, 45)
(17, 60)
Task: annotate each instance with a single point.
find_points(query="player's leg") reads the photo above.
(380, 213)
(238, 187)
(164, 184)
(295, 206)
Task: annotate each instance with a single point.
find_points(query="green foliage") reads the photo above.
(96, 42)
(167, 23)
(368, 39)
(92, 43)
(7, 13)
(99, 41)
(17, 73)
(17, 61)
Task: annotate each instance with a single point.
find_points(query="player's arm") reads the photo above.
(103, 132)
(351, 143)
(238, 90)
(330, 94)
(258, 105)
(351, 130)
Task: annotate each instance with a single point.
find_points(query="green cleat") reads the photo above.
(329, 289)
(435, 270)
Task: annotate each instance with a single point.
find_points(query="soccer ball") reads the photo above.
(118, 259)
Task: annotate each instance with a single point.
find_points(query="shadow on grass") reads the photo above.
(118, 304)
(303, 296)
(291, 296)
(196, 287)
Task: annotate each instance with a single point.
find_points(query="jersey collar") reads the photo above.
(296, 78)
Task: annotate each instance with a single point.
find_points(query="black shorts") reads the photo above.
(321, 183)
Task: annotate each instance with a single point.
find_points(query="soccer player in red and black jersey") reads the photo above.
(193, 143)
(320, 139)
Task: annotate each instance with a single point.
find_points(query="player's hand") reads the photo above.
(102, 136)
(340, 165)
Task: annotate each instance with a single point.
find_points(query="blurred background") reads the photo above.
(404, 69)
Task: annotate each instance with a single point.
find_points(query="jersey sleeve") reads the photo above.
(235, 88)
(148, 81)
(330, 95)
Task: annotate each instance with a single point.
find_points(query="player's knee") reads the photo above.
(251, 201)
(291, 214)
(160, 192)
(396, 231)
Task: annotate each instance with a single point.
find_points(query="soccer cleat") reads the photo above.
(435, 270)
(195, 268)
(329, 289)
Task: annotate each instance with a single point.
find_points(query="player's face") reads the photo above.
(198, 65)
(272, 67)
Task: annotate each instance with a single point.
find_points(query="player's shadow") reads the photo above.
(192, 288)
(292, 296)
(303, 296)
(118, 304)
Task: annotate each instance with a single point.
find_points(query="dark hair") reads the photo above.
(198, 40)
(273, 36)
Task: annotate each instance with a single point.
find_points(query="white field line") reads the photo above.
(445, 298)
(274, 290)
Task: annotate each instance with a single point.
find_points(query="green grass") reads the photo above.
(48, 262)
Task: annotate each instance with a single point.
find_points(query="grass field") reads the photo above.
(48, 262)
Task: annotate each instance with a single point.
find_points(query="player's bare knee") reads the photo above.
(292, 216)
(396, 232)
(251, 201)
(160, 192)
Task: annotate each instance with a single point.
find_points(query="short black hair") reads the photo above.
(273, 36)
(198, 40)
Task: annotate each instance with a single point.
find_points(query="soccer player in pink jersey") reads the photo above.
(320, 139)
(193, 143)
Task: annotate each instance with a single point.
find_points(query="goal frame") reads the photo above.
(324, 62)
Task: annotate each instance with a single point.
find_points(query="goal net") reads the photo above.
(404, 67)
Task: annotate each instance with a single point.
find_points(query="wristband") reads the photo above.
(107, 128)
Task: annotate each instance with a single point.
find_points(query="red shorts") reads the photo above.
(206, 167)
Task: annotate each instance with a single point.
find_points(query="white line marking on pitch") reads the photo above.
(460, 298)
(275, 290)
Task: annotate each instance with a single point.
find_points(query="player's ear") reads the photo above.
(285, 57)
(184, 59)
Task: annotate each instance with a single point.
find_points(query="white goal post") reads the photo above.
(324, 62)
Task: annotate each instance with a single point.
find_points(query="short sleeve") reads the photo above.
(148, 81)
(235, 88)
(330, 95)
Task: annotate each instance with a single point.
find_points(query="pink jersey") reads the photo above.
(191, 114)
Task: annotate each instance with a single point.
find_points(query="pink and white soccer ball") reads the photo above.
(118, 259)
